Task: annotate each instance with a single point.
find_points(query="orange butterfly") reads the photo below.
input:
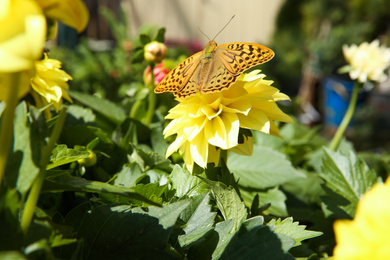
(213, 69)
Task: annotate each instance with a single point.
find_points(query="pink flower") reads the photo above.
(159, 72)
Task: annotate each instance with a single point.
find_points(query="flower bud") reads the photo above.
(88, 161)
(155, 51)
(159, 72)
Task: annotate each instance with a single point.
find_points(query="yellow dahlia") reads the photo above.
(49, 84)
(73, 13)
(22, 34)
(367, 235)
(366, 61)
(206, 123)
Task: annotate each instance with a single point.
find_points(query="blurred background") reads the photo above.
(306, 35)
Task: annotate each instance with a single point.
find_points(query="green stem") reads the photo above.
(152, 106)
(152, 98)
(6, 130)
(135, 108)
(33, 196)
(347, 118)
(224, 156)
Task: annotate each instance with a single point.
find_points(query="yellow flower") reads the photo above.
(367, 235)
(366, 61)
(50, 83)
(73, 13)
(22, 34)
(206, 123)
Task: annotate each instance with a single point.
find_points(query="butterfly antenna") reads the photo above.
(203, 33)
(224, 27)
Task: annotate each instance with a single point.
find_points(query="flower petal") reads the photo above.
(22, 35)
(73, 13)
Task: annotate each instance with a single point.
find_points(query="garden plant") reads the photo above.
(95, 165)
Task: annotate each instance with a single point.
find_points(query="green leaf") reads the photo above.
(200, 222)
(347, 179)
(274, 196)
(229, 203)
(185, 183)
(58, 241)
(138, 56)
(120, 232)
(131, 132)
(144, 39)
(63, 155)
(148, 160)
(225, 234)
(159, 35)
(106, 108)
(66, 182)
(22, 168)
(307, 189)
(159, 144)
(292, 230)
(129, 176)
(151, 191)
(255, 241)
(79, 115)
(262, 139)
(11, 236)
(12, 255)
(73, 135)
(265, 168)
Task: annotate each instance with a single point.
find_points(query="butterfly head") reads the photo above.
(209, 49)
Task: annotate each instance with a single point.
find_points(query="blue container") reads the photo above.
(337, 94)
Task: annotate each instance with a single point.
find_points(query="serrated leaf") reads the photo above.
(61, 155)
(66, 182)
(157, 176)
(274, 196)
(258, 243)
(103, 106)
(225, 235)
(200, 222)
(120, 232)
(265, 168)
(347, 179)
(148, 160)
(292, 230)
(151, 191)
(229, 203)
(184, 182)
(129, 175)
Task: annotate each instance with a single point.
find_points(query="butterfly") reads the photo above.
(213, 69)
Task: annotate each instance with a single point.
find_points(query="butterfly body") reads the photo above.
(213, 69)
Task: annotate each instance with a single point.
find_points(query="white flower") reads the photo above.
(366, 61)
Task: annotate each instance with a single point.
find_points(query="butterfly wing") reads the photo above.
(178, 78)
(192, 85)
(230, 60)
(240, 56)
